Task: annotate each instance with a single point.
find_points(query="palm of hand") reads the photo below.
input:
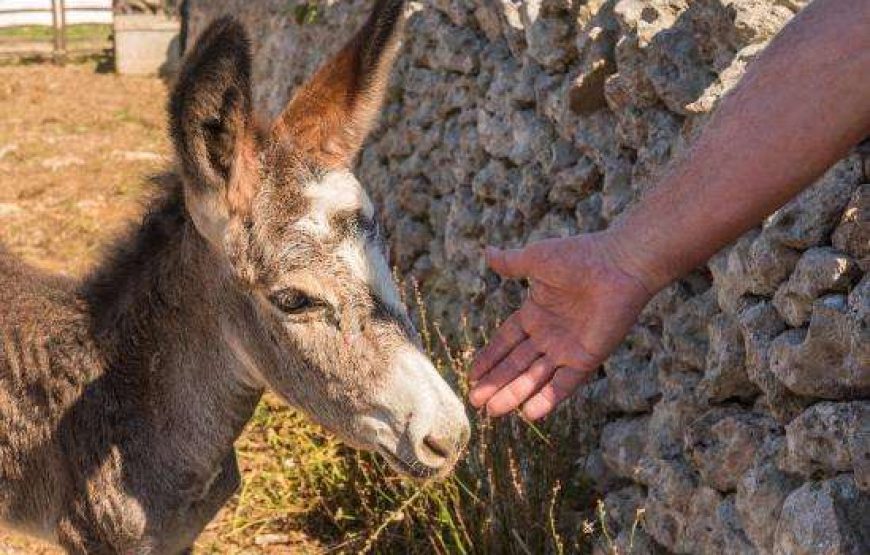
(579, 308)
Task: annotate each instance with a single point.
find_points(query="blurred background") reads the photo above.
(134, 34)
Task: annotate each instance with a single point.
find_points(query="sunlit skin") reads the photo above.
(801, 106)
(563, 331)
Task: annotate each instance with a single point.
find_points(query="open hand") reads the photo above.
(580, 306)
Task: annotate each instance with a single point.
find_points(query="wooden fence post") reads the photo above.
(58, 20)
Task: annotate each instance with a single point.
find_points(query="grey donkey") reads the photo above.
(258, 265)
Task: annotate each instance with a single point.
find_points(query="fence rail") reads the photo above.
(56, 17)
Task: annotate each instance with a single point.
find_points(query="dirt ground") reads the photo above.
(76, 147)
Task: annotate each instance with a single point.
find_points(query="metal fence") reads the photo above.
(57, 17)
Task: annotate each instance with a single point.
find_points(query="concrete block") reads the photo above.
(146, 44)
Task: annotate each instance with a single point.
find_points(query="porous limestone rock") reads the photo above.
(808, 220)
(671, 486)
(729, 535)
(760, 324)
(678, 408)
(852, 235)
(827, 517)
(761, 491)
(826, 439)
(722, 443)
(725, 374)
(859, 447)
(820, 270)
(622, 444)
(632, 382)
(830, 359)
(621, 507)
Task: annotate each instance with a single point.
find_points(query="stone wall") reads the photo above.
(737, 412)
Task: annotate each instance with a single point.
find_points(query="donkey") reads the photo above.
(259, 265)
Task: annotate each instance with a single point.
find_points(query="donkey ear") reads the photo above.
(210, 109)
(330, 116)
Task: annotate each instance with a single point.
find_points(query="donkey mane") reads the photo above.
(140, 246)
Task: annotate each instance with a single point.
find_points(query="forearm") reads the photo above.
(801, 106)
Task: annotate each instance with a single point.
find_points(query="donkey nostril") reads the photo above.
(438, 446)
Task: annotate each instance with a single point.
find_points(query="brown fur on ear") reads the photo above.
(330, 116)
(210, 111)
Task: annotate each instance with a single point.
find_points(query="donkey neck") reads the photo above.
(159, 307)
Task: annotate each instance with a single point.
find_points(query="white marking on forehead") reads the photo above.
(338, 191)
(368, 264)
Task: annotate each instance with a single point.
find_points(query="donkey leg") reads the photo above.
(80, 539)
(223, 487)
(76, 537)
(204, 510)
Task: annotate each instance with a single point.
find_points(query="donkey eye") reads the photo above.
(292, 301)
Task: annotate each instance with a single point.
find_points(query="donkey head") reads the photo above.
(324, 325)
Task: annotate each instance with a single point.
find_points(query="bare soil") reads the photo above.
(75, 148)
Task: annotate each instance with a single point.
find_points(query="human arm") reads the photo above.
(799, 108)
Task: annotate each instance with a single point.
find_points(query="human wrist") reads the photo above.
(635, 257)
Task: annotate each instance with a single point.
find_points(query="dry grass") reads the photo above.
(74, 149)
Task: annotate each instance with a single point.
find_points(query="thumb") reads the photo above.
(511, 263)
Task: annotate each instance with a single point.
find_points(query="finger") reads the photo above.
(511, 366)
(521, 388)
(565, 381)
(508, 336)
(513, 263)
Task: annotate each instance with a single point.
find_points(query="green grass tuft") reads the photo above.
(74, 33)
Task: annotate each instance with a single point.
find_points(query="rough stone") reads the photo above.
(574, 183)
(677, 409)
(827, 517)
(852, 235)
(819, 271)
(671, 487)
(859, 447)
(820, 442)
(595, 472)
(723, 442)
(632, 383)
(549, 40)
(808, 220)
(754, 265)
(621, 507)
(622, 444)
(685, 332)
(725, 374)
(730, 537)
(830, 359)
(760, 324)
(768, 263)
(761, 491)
